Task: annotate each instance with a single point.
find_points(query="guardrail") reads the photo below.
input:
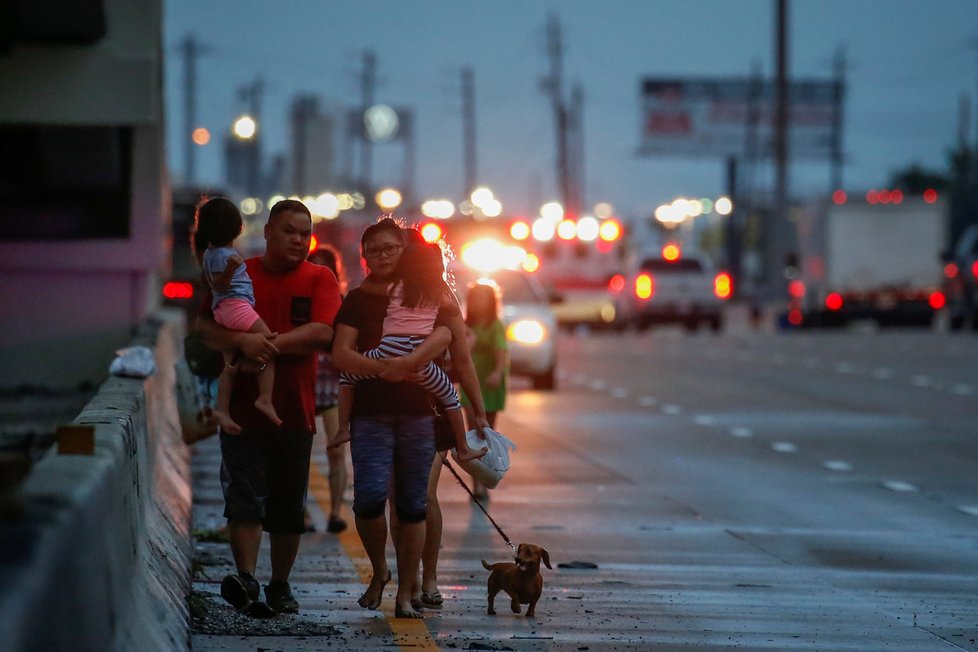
(99, 557)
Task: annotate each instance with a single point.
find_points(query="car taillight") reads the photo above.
(833, 301)
(796, 289)
(974, 270)
(950, 270)
(616, 284)
(723, 285)
(178, 290)
(644, 286)
(936, 300)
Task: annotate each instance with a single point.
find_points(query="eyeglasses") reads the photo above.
(377, 252)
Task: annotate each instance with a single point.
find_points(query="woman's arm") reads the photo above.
(347, 358)
(306, 339)
(465, 368)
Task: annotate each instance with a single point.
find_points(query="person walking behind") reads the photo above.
(219, 224)
(265, 469)
(327, 400)
(490, 354)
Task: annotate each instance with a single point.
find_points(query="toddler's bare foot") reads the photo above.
(467, 454)
(341, 438)
(265, 407)
(227, 424)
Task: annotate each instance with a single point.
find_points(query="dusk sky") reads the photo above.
(910, 61)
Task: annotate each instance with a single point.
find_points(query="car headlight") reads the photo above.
(526, 331)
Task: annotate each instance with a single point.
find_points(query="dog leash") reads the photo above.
(469, 491)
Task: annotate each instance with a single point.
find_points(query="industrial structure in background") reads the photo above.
(83, 192)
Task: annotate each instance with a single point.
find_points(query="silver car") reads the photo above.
(531, 327)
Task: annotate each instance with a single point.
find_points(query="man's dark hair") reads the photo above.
(218, 222)
(288, 205)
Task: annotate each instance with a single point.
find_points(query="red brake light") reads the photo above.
(951, 270)
(644, 286)
(839, 197)
(723, 285)
(833, 301)
(930, 195)
(178, 290)
(796, 289)
(617, 283)
(936, 300)
(974, 269)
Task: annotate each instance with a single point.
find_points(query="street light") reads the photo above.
(388, 198)
(245, 127)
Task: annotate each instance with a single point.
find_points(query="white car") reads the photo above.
(531, 328)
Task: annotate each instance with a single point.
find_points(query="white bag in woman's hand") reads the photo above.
(491, 467)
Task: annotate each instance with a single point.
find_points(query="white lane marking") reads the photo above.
(670, 408)
(970, 510)
(598, 385)
(620, 392)
(844, 368)
(837, 465)
(920, 381)
(741, 431)
(704, 420)
(899, 485)
(882, 373)
(647, 401)
(784, 447)
(961, 389)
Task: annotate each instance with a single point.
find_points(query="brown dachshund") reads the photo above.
(522, 580)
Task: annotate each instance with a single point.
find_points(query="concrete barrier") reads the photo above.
(100, 559)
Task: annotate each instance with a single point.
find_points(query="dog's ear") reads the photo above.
(546, 558)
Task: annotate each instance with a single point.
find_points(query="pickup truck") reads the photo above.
(671, 287)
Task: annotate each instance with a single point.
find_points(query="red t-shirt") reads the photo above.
(285, 301)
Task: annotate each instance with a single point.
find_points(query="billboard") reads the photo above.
(735, 117)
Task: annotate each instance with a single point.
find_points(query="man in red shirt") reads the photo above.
(265, 468)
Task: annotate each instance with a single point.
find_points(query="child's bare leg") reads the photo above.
(344, 407)
(266, 380)
(222, 410)
(462, 450)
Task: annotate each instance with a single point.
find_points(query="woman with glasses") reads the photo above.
(392, 422)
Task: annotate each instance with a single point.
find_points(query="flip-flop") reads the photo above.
(432, 599)
(400, 613)
(375, 605)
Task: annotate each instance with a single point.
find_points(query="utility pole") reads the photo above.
(577, 162)
(468, 130)
(368, 81)
(839, 66)
(554, 84)
(778, 224)
(191, 49)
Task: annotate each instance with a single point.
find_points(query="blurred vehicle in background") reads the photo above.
(868, 259)
(961, 282)
(672, 286)
(531, 328)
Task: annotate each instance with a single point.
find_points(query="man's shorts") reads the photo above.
(265, 477)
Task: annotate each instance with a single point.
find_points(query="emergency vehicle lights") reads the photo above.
(178, 290)
(723, 285)
(671, 252)
(644, 286)
(526, 331)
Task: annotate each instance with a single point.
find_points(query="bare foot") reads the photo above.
(227, 424)
(265, 407)
(341, 438)
(407, 611)
(468, 454)
(374, 594)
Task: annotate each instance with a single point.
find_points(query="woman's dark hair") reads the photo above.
(328, 256)
(422, 270)
(218, 222)
(490, 311)
(388, 224)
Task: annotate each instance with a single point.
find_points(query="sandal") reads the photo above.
(432, 599)
(375, 605)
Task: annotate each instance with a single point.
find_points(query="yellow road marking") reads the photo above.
(407, 633)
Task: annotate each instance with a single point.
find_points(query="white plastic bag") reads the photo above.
(133, 362)
(491, 467)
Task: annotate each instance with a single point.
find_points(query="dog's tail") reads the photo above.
(486, 566)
